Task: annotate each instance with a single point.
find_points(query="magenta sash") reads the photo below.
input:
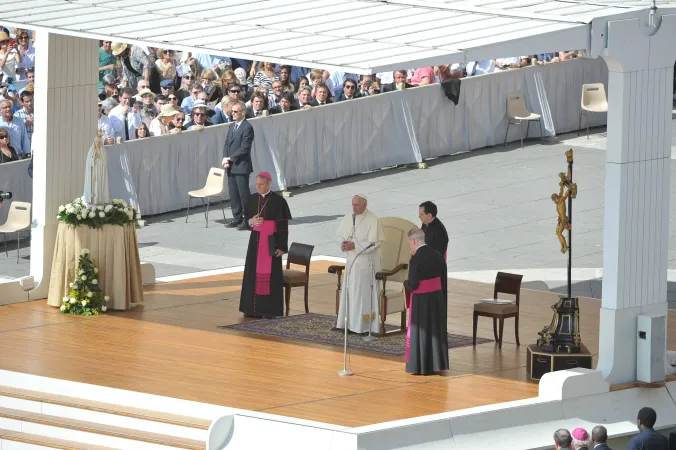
(424, 287)
(263, 258)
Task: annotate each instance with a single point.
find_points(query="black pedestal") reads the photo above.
(540, 362)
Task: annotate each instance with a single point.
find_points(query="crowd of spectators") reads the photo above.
(151, 92)
(147, 92)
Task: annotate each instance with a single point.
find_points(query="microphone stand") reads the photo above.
(345, 372)
(370, 337)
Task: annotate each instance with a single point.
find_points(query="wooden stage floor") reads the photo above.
(170, 346)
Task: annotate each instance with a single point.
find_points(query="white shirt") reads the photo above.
(118, 122)
(106, 127)
(499, 62)
(28, 61)
(482, 67)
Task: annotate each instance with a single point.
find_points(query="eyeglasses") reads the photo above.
(179, 119)
(198, 114)
(349, 86)
(236, 111)
(276, 87)
(235, 91)
(188, 77)
(4, 137)
(22, 38)
(173, 98)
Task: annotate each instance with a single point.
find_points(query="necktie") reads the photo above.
(126, 128)
(256, 114)
(476, 63)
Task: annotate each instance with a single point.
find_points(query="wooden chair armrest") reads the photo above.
(336, 269)
(388, 273)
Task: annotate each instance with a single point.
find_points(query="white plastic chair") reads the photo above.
(517, 114)
(213, 188)
(18, 220)
(593, 100)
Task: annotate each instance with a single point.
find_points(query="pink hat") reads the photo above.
(580, 434)
(265, 175)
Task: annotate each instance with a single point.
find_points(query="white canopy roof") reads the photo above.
(358, 36)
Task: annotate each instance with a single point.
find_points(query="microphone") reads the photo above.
(372, 244)
(353, 218)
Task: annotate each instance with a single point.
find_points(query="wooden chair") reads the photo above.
(299, 254)
(18, 220)
(505, 283)
(213, 188)
(394, 257)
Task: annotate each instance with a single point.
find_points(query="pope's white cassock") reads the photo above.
(360, 280)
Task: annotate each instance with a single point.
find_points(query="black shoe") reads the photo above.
(233, 223)
(242, 227)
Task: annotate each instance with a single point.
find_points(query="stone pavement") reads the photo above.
(495, 203)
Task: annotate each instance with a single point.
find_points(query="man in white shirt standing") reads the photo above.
(125, 119)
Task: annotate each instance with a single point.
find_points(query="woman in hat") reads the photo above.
(160, 125)
(9, 57)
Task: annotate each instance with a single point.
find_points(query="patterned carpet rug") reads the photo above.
(318, 328)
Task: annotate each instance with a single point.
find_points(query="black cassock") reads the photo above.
(437, 238)
(272, 207)
(428, 350)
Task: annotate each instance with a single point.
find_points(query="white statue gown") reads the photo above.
(96, 190)
(359, 281)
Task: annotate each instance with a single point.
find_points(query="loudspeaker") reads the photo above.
(651, 348)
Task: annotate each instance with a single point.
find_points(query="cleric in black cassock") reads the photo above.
(267, 215)
(427, 339)
(435, 237)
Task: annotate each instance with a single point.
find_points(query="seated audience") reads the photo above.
(349, 91)
(257, 108)
(142, 131)
(199, 116)
(322, 95)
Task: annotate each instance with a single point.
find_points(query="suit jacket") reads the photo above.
(648, 439)
(393, 87)
(238, 148)
(341, 97)
(250, 113)
(314, 102)
(602, 447)
(278, 109)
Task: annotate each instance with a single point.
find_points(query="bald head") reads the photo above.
(358, 205)
(6, 109)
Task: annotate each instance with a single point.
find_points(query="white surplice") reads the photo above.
(360, 280)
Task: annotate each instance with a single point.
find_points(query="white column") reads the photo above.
(636, 221)
(66, 78)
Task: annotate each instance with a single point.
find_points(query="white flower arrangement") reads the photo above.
(78, 213)
(85, 297)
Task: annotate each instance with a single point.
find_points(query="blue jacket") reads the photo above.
(648, 439)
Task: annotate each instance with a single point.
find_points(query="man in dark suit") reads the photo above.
(286, 104)
(237, 162)
(322, 95)
(648, 438)
(599, 437)
(348, 92)
(399, 78)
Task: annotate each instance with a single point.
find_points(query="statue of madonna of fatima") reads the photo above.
(96, 190)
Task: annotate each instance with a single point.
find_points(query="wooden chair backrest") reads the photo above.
(508, 283)
(300, 254)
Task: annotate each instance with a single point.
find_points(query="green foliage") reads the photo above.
(85, 297)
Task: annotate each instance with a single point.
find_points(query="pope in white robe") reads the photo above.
(96, 191)
(356, 232)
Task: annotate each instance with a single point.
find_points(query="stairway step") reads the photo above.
(44, 441)
(107, 430)
(127, 411)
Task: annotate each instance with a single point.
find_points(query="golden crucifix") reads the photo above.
(566, 189)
